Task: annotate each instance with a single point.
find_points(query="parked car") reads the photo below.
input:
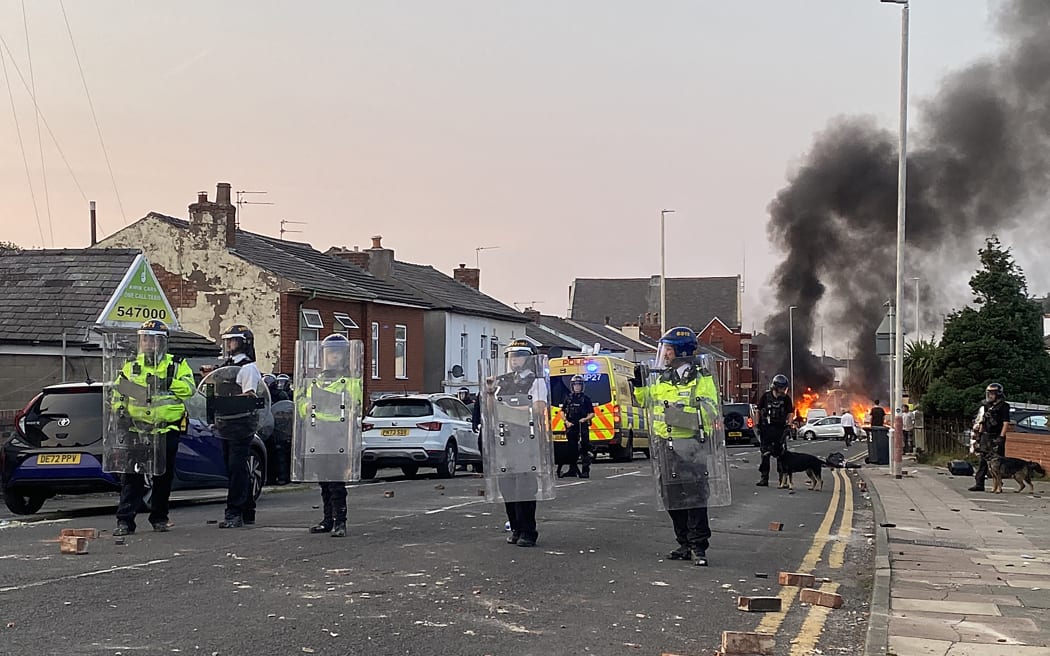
(57, 449)
(828, 428)
(1029, 421)
(419, 430)
(739, 420)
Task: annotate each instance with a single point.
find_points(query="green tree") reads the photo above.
(1001, 340)
(919, 361)
(9, 246)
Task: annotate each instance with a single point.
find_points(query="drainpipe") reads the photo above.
(64, 353)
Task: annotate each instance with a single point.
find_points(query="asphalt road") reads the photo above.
(428, 571)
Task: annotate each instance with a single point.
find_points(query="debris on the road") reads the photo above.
(388, 493)
(10, 625)
(752, 644)
(71, 544)
(888, 525)
(862, 485)
(796, 579)
(439, 487)
(119, 541)
(481, 492)
(307, 650)
(776, 526)
(818, 598)
(761, 575)
(659, 584)
(640, 616)
(758, 605)
(215, 521)
(89, 533)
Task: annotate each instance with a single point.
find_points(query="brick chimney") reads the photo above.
(532, 314)
(214, 224)
(380, 260)
(651, 325)
(468, 276)
(357, 257)
(632, 330)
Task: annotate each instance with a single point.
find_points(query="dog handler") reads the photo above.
(774, 409)
(994, 424)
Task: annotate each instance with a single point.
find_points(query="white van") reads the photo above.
(815, 414)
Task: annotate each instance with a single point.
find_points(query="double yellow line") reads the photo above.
(816, 616)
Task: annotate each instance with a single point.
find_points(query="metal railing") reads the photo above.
(946, 435)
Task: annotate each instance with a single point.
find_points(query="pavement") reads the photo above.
(958, 573)
(427, 570)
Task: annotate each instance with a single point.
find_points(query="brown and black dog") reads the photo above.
(1018, 469)
(790, 462)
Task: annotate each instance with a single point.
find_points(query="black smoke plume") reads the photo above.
(976, 165)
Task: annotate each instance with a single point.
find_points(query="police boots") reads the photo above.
(324, 527)
(763, 482)
(339, 530)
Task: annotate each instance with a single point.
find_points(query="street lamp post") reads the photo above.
(791, 346)
(663, 272)
(897, 448)
(916, 307)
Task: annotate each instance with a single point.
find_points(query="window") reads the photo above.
(375, 350)
(484, 346)
(401, 351)
(745, 355)
(1036, 422)
(343, 324)
(494, 348)
(312, 319)
(464, 345)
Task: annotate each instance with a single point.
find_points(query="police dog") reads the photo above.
(1016, 468)
(790, 462)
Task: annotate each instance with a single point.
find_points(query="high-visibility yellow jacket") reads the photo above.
(699, 395)
(151, 394)
(352, 387)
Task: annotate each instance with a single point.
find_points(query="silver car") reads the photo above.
(419, 430)
(829, 428)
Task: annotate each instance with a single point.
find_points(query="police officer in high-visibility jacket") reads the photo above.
(688, 446)
(335, 379)
(160, 412)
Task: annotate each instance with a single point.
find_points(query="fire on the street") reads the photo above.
(836, 402)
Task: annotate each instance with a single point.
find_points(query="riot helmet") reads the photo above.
(269, 380)
(153, 340)
(335, 353)
(678, 342)
(994, 392)
(463, 394)
(780, 383)
(284, 381)
(518, 354)
(575, 381)
(239, 339)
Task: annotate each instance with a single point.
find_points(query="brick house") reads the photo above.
(737, 374)
(216, 275)
(461, 324)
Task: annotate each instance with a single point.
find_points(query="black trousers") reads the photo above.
(691, 528)
(771, 439)
(333, 498)
(133, 487)
(240, 501)
(522, 518)
(988, 445)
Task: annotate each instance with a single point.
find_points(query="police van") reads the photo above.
(620, 427)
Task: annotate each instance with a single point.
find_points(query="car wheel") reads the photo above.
(257, 472)
(368, 471)
(447, 467)
(24, 503)
(621, 454)
(648, 454)
(809, 435)
(479, 467)
(410, 471)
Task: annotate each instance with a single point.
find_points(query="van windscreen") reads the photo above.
(595, 386)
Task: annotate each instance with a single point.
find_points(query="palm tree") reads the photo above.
(918, 366)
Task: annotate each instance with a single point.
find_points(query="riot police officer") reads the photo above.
(688, 447)
(160, 411)
(774, 410)
(239, 345)
(334, 379)
(578, 410)
(995, 421)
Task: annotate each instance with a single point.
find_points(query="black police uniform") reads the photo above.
(991, 442)
(520, 514)
(773, 414)
(237, 435)
(576, 408)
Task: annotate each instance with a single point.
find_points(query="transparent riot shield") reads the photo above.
(235, 414)
(326, 434)
(688, 441)
(131, 443)
(517, 446)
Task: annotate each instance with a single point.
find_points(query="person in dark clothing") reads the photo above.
(238, 430)
(579, 410)
(994, 424)
(878, 415)
(774, 410)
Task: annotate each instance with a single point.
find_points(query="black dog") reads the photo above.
(790, 462)
(1016, 468)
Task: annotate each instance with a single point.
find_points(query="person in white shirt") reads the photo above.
(849, 425)
(908, 417)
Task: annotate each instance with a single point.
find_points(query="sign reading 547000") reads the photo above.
(138, 298)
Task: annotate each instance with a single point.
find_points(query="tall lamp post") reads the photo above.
(663, 272)
(916, 281)
(897, 448)
(791, 345)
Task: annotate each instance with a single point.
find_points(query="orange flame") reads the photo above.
(859, 411)
(802, 405)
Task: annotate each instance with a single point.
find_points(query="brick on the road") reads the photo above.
(71, 544)
(818, 598)
(741, 643)
(759, 604)
(797, 579)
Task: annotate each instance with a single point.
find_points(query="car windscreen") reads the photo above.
(742, 409)
(70, 418)
(401, 408)
(595, 386)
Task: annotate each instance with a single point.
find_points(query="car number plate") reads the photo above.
(736, 434)
(394, 432)
(58, 459)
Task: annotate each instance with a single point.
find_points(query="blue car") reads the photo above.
(57, 449)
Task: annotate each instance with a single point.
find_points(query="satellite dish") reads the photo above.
(457, 371)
